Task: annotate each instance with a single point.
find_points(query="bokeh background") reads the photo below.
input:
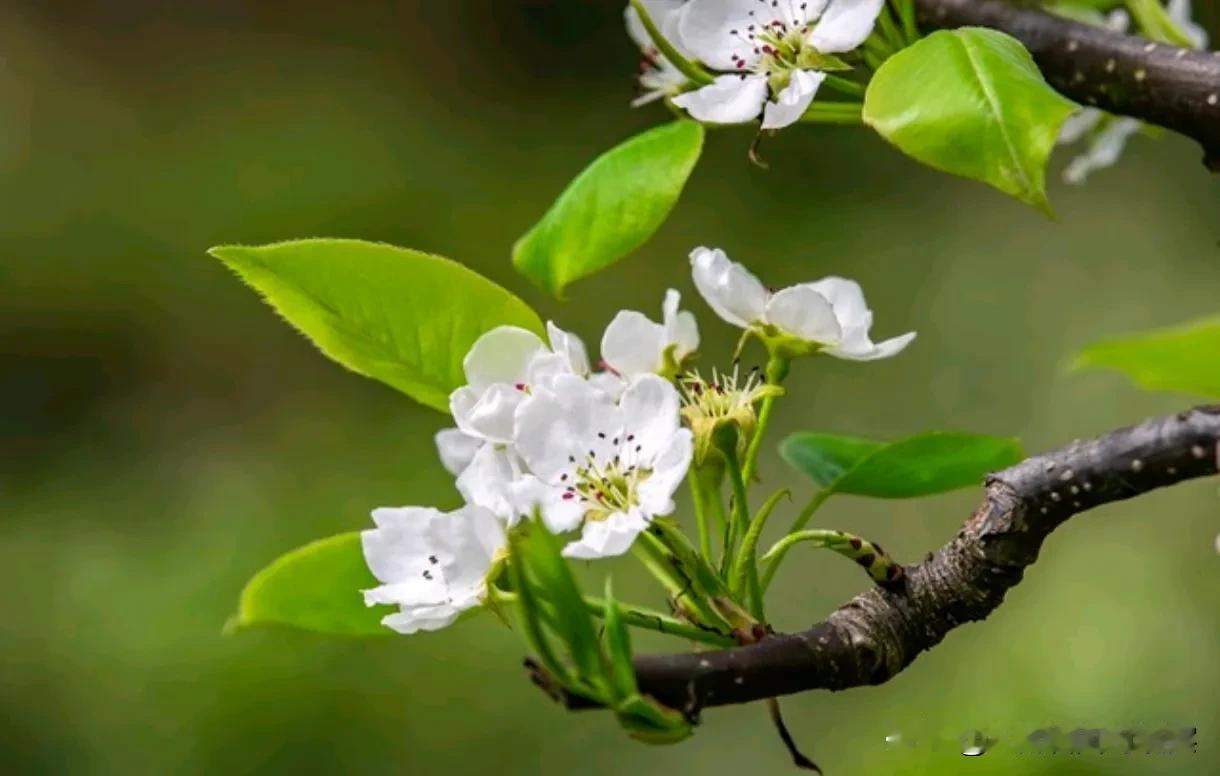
(163, 436)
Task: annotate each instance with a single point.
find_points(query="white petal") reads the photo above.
(570, 347)
(1104, 149)
(845, 25)
(486, 416)
(607, 538)
(659, 11)
(608, 383)
(425, 618)
(680, 326)
(545, 368)
(650, 415)
(729, 288)
(668, 470)
(393, 550)
(804, 313)
(633, 344)
(555, 426)
(456, 449)
(871, 352)
(847, 299)
(1079, 124)
(730, 99)
(1180, 12)
(502, 355)
(793, 101)
(717, 31)
(486, 482)
(1119, 20)
(559, 514)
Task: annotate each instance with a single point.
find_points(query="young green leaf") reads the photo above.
(971, 102)
(917, 466)
(314, 588)
(572, 622)
(399, 316)
(1184, 359)
(611, 208)
(618, 647)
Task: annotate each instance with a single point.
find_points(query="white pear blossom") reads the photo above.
(501, 368)
(432, 565)
(827, 316)
(658, 76)
(634, 344)
(611, 466)
(774, 50)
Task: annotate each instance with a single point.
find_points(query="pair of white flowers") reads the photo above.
(538, 430)
(772, 54)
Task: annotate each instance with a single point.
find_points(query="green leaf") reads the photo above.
(399, 316)
(611, 208)
(572, 622)
(1184, 359)
(314, 588)
(618, 648)
(921, 465)
(971, 102)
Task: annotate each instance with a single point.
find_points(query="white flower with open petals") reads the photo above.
(827, 316)
(608, 466)
(658, 77)
(777, 54)
(634, 344)
(500, 368)
(433, 565)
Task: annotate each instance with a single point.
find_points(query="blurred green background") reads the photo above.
(164, 436)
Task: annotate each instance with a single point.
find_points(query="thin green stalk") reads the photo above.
(743, 576)
(641, 617)
(684, 65)
(889, 30)
(798, 524)
(1154, 22)
(648, 619)
(739, 571)
(844, 85)
(777, 371)
(740, 520)
(906, 14)
(880, 567)
(658, 559)
(699, 498)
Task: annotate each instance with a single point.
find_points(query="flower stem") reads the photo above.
(663, 565)
(740, 521)
(850, 113)
(641, 617)
(648, 619)
(743, 576)
(880, 567)
(888, 29)
(777, 370)
(699, 498)
(845, 85)
(906, 14)
(798, 524)
(684, 65)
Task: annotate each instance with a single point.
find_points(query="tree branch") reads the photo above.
(880, 632)
(1175, 88)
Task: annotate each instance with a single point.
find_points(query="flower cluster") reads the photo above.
(770, 55)
(538, 431)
